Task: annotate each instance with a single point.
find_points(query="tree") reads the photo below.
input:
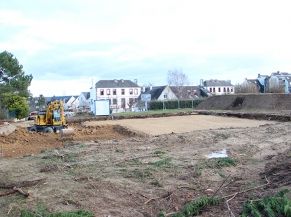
(15, 104)
(178, 79)
(246, 87)
(41, 102)
(12, 76)
(13, 85)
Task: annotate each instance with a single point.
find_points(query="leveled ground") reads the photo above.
(112, 171)
(178, 124)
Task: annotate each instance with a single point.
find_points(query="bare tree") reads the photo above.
(275, 86)
(246, 87)
(178, 79)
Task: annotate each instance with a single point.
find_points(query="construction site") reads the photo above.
(235, 148)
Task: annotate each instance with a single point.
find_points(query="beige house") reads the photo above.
(122, 94)
(219, 87)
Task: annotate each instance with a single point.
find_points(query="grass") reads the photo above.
(153, 112)
(218, 163)
(41, 211)
(140, 174)
(195, 207)
(163, 163)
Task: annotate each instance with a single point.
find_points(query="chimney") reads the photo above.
(122, 80)
(151, 87)
(135, 81)
(143, 89)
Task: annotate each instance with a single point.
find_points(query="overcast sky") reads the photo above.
(68, 44)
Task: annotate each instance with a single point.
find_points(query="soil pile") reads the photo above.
(271, 102)
(21, 142)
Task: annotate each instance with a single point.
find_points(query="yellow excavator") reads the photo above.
(51, 120)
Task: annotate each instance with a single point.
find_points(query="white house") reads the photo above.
(159, 93)
(71, 103)
(122, 94)
(82, 102)
(219, 87)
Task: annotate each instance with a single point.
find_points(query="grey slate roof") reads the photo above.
(186, 92)
(155, 92)
(63, 98)
(86, 94)
(115, 83)
(214, 83)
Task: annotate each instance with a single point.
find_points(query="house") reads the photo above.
(82, 102)
(171, 92)
(158, 93)
(122, 94)
(187, 92)
(277, 82)
(218, 87)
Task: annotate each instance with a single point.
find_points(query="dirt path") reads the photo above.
(179, 124)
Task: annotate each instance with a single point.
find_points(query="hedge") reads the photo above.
(173, 104)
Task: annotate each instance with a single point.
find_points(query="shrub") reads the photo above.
(271, 206)
(173, 104)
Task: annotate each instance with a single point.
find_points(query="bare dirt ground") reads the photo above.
(178, 124)
(21, 142)
(115, 172)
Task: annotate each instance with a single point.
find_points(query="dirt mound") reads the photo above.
(278, 170)
(6, 128)
(247, 102)
(21, 142)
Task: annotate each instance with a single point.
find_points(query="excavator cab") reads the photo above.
(52, 119)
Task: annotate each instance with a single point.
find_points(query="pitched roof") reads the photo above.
(63, 98)
(86, 94)
(186, 92)
(211, 83)
(154, 91)
(115, 83)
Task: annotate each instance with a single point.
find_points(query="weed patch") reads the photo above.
(277, 205)
(140, 174)
(195, 207)
(163, 163)
(217, 163)
(43, 212)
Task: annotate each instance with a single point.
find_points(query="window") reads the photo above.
(101, 92)
(135, 91)
(231, 90)
(213, 89)
(219, 89)
(114, 101)
(165, 96)
(210, 89)
(228, 89)
(123, 102)
(224, 90)
(130, 91)
(114, 92)
(108, 91)
(122, 91)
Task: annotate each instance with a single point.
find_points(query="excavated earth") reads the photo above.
(21, 142)
(121, 169)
